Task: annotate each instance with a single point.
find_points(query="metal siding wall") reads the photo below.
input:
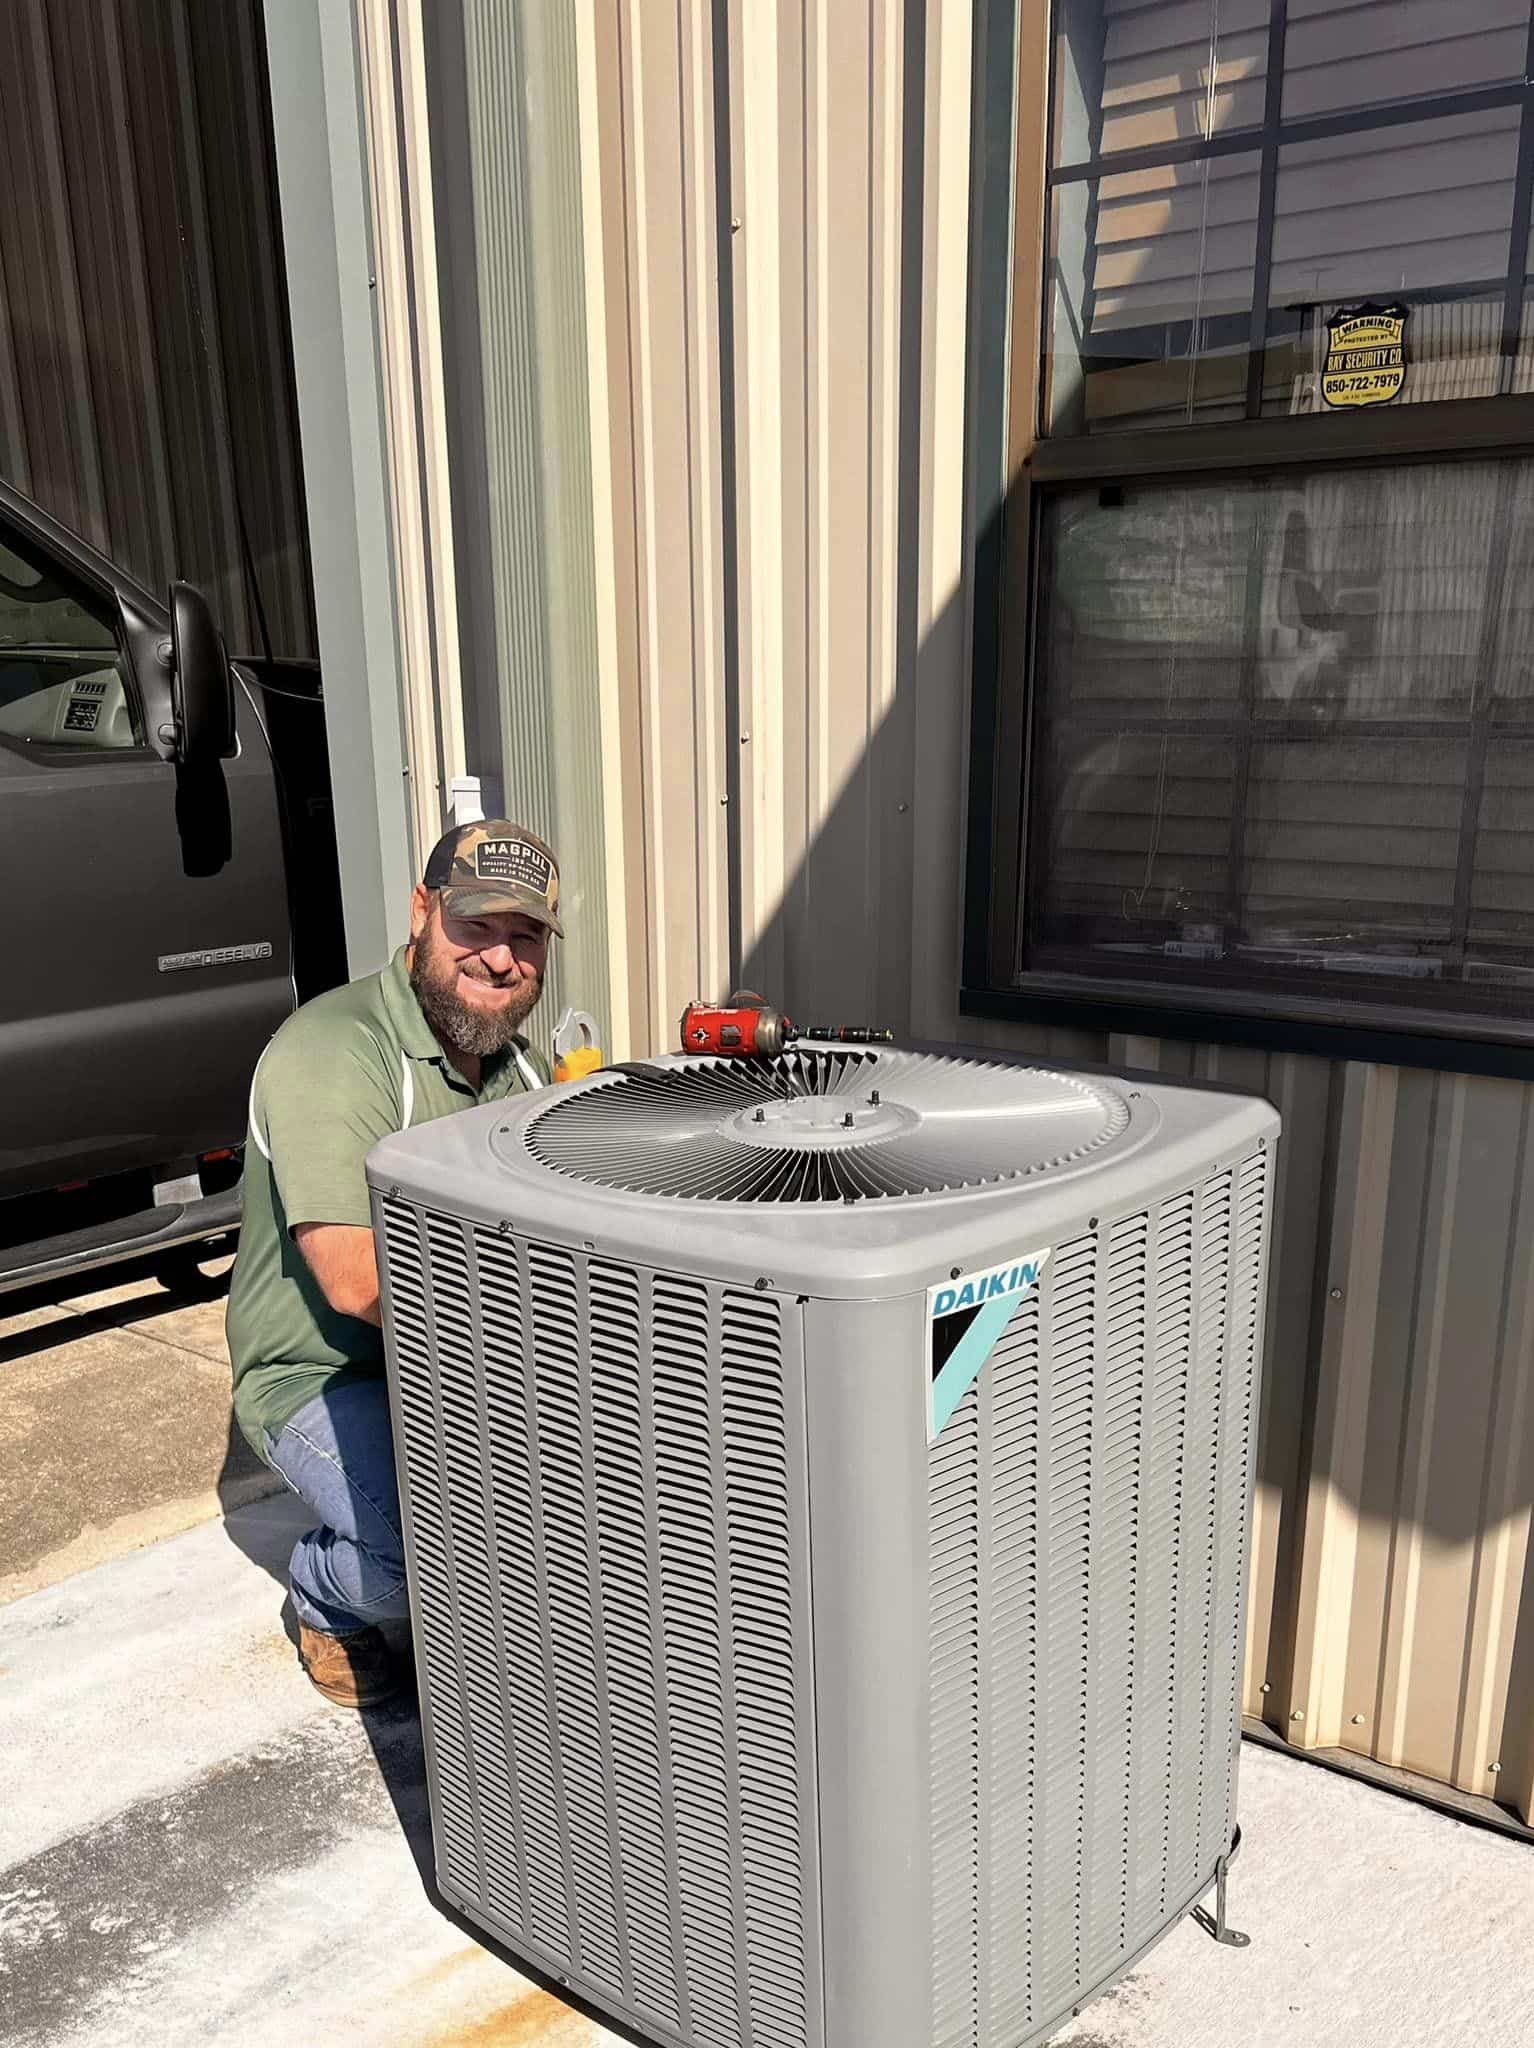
(816, 270)
(657, 94)
(1392, 1574)
(146, 390)
(518, 428)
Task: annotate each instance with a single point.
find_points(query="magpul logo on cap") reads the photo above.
(513, 860)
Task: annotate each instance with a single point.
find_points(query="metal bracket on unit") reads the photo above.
(1215, 1923)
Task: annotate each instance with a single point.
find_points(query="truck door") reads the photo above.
(145, 924)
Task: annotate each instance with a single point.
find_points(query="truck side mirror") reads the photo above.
(202, 688)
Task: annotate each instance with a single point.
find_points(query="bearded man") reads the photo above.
(437, 1031)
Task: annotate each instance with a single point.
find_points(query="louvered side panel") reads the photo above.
(1157, 1669)
(640, 1752)
(477, 1665)
(453, 1811)
(1086, 1511)
(953, 1493)
(1012, 1678)
(557, 1335)
(1198, 1563)
(1238, 1425)
(692, 1597)
(535, 1845)
(769, 1642)
(609, 1546)
(1069, 1341)
(1117, 1465)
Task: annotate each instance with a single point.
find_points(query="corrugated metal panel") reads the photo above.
(1392, 1573)
(657, 95)
(146, 390)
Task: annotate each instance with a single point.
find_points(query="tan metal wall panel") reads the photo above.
(816, 292)
(1392, 1571)
(657, 93)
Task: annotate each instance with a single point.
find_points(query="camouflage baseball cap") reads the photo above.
(495, 866)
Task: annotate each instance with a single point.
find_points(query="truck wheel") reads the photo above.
(185, 1270)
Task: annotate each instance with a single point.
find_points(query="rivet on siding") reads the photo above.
(954, 1272)
(734, 230)
(1493, 1768)
(1091, 1223)
(1262, 1144)
(394, 1194)
(724, 800)
(503, 1226)
(1297, 1715)
(902, 807)
(761, 1284)
(1358, 1720)
(1266, 1686)
(1336, 1294)
(745, 739)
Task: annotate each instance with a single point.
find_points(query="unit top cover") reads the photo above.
(812, 1126)
(834, 1171)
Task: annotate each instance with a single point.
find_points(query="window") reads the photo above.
(1263, 761)
(63, 683)
(1229, 179)
(1285, 735)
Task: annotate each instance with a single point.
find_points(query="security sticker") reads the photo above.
(965, 1320)
(512, 860)
(1365, 355)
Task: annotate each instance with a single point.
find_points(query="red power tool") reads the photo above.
(748, 1025)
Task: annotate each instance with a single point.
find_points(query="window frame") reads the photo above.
(1004, 758)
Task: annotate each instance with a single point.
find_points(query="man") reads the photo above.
(437, 1031)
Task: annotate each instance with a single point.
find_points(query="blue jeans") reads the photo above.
(337, 1454)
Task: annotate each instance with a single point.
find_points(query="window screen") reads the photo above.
(1284, 734)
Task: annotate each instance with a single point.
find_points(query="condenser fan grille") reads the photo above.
(833, 1126)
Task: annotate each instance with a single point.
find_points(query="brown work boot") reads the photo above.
(354, 1670)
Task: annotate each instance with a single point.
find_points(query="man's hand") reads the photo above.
(342, 1259)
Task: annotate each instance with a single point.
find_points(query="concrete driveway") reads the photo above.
(195, 1848)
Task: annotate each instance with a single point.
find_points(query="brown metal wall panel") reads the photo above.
(146, 395)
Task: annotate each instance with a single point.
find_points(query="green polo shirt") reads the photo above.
(344, 1071)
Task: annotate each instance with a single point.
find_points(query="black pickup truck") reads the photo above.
(168, 854)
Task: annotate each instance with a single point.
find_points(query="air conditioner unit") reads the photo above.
(826, 1488)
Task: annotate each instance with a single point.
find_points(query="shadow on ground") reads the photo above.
(84, 1316)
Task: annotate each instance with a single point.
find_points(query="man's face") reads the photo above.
(477, 979)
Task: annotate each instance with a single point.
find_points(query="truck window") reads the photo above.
(63, 679)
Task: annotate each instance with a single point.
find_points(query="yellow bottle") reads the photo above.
(576, 1052)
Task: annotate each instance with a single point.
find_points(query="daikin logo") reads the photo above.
(965, 1321)
(987, 1286)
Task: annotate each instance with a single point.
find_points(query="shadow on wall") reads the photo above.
(1427, 1371)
